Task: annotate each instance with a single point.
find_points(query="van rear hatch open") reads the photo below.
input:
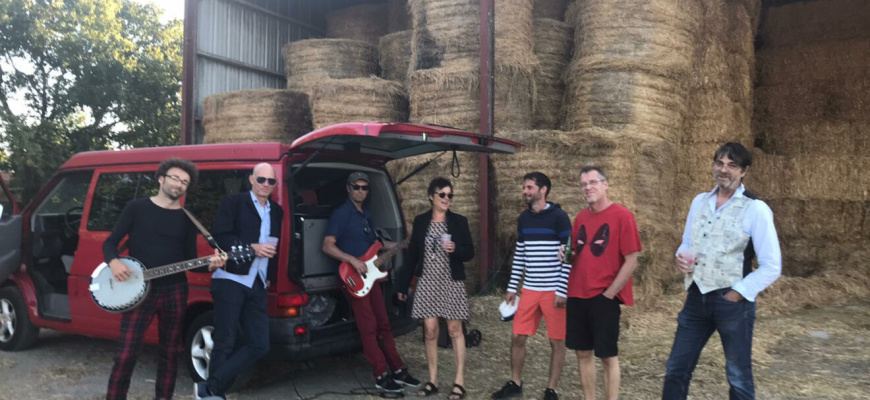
(390, 141)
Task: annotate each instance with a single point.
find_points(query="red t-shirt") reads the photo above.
(601, 242)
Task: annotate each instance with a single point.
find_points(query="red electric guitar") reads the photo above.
(359, 285)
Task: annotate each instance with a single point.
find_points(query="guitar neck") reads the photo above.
(159, 272)
(387, 255)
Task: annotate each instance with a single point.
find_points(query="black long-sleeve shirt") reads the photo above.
(158, 236)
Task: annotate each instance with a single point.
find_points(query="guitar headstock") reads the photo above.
(242, 253)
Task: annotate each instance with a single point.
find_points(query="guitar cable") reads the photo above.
(362, 390)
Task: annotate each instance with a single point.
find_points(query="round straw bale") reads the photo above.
(802, 23)
(444, 30)
(255, 115)
(820, 137)
(414, 198)
(655, 34)
(695, 169)
(367, 22)
(398, 18)
(513, 97)
(446, 96)
(814, 62)
(312, 60)
(553, 9)
(363, 99)
(717, 68)
(514, 42)
(617, 99)
(572, 14)
(731, 24)
(395, 51)
(553, 49)
(713, 117)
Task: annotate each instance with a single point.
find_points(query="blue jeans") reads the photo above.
(237, 309)
(701, 315)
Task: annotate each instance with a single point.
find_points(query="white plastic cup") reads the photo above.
(445, 237)
(689, 255)
(271, 240)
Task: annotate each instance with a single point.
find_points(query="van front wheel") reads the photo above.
(199, 344)
(16, 330)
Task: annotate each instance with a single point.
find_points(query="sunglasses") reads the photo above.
(445, 194)
(262, 179)
(364, 188)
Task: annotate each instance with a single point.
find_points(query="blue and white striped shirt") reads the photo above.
(536, 259)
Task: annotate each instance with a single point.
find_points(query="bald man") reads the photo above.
(239, 291)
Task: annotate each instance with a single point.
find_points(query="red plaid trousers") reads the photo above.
(168, 303)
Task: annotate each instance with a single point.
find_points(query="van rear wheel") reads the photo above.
(16, 330)
(199, 344)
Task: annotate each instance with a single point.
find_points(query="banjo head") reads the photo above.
(119, 297)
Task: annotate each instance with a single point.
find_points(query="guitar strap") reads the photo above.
(205, 232)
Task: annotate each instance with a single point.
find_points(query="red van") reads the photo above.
(50, 247)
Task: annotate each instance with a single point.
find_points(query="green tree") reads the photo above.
(79, 75)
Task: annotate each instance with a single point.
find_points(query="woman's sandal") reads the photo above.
(457, 395)
(428, 389)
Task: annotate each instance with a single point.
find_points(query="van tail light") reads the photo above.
(292, 300)
(300, 330)
(289, 305)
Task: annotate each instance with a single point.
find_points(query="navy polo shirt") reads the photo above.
(353, 230)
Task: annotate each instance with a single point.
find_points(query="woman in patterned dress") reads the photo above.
(438, 260)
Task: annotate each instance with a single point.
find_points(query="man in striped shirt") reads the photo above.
(541, 231)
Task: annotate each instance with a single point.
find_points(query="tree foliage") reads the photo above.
(79, 75)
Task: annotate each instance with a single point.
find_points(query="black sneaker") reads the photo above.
(550, 394)
(386, 383)
(510, 389)
(201, 392)
(403, 377)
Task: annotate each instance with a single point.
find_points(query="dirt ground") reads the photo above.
(821, 353)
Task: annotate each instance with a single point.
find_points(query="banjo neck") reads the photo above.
(169, 269)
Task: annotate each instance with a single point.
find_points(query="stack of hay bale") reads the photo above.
(444, 89)
(624, 105)
(812, 121)
(340, 74)
(256, 115)
(720, 95)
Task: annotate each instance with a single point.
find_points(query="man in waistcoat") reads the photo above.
(725, 229)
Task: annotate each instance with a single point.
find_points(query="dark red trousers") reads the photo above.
(373, 323)
(168, 303)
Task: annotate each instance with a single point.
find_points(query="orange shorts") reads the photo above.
(532, 306)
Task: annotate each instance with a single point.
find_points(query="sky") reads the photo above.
(172, 9)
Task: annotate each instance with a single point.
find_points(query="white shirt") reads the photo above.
(758, 224)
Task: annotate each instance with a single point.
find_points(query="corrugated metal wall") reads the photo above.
(239, 42)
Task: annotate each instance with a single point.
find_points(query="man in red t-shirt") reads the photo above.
(606, 246)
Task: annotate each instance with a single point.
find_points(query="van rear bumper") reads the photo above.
(333, 339)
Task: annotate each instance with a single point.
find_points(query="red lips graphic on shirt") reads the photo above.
(599, 241)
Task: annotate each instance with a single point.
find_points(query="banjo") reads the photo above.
(118, 297)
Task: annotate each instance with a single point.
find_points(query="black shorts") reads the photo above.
(593, 324)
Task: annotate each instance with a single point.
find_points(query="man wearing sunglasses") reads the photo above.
(349, 235)
(239, 292)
